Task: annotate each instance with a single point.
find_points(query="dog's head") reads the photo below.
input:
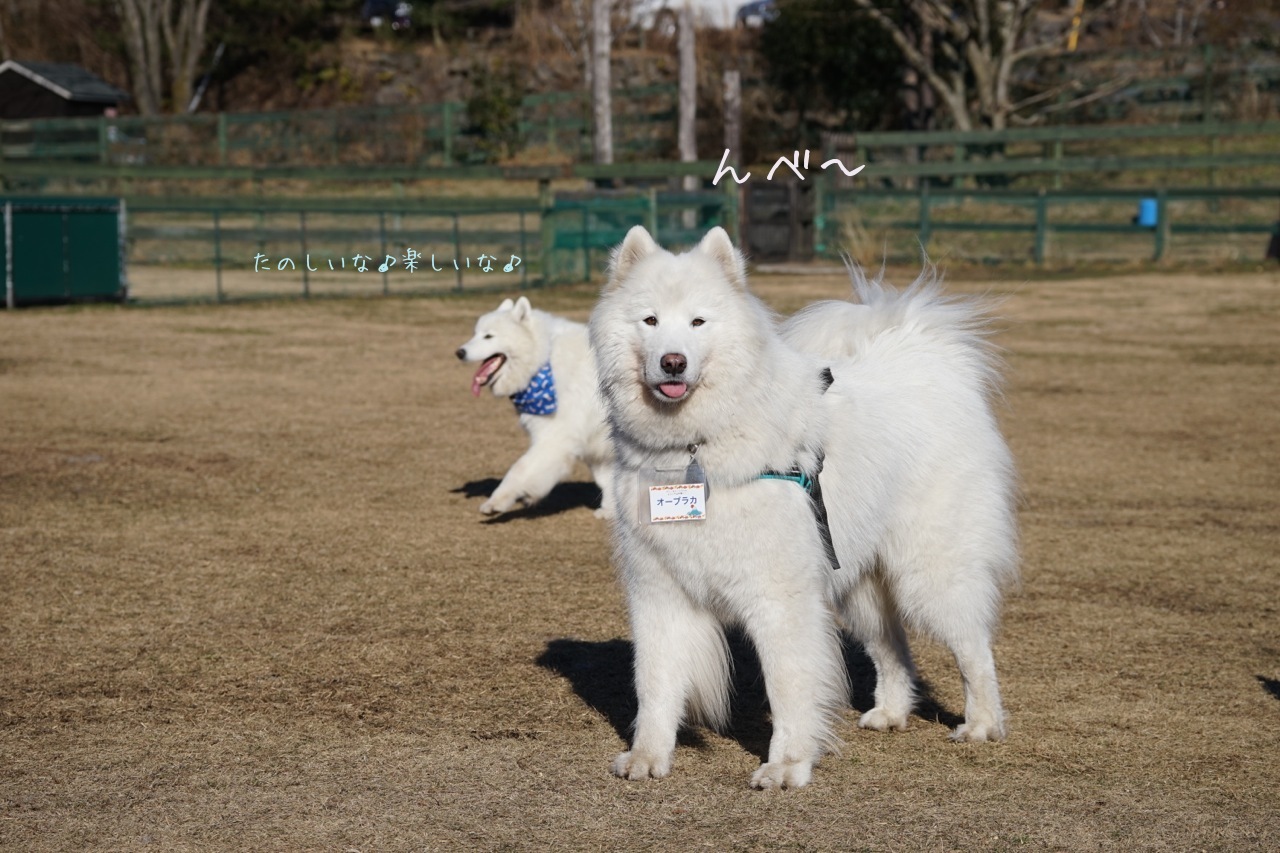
(671, 329)
(503, 336)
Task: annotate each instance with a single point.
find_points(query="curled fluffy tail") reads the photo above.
(920, 316)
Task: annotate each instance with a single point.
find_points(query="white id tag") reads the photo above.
(673, 494)
(682, 502)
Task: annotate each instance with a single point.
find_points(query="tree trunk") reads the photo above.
(142, 43)
(184, 38)
(601, 105)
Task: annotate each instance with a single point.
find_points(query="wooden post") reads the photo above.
(601, 106)
(686, 138)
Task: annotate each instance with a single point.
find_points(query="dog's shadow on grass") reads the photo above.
(601, 674)
(563, 497)
(1270, 685)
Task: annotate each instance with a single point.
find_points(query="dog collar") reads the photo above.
(539, 396)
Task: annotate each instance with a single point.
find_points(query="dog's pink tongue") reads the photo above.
(674, 390)
(482, 375)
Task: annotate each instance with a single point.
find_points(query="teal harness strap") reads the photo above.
(795, 475)
(810, 485)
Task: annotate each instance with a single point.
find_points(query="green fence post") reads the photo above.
(926, 228)
(546, 227)
(1162, 225)
(651, 215)
(382, 233)
(447, 132)
(524, 264)
(103, 152)
(819, 213)
(222, 139)
(586, 242)
(1042, 226)
(1057, 164)
(217, 254)
(306, 279)
(457, 251)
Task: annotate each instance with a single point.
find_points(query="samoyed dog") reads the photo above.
(544, 365)
(738, 420)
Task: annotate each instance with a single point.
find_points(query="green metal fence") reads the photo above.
(1217, 224)
(1211, 152)
(411, 135)
(229, 248)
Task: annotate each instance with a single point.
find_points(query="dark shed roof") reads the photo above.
(68, 81)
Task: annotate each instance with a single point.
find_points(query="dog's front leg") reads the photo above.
(681, 663)
(530, 479)
(806, 683)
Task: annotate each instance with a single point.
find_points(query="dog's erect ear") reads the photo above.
(719, 248)
(636, 246)
(522, 310)
(506, 305)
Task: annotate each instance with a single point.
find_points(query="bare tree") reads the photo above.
(601, 104)
(184, 35)
(142, 43)
(154, 29)
(1172, 23)
(978, 45)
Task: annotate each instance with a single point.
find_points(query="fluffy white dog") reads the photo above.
(544, 365)
(714, 404)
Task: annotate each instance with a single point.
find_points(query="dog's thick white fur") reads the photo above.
(916, 478)
(512, 343)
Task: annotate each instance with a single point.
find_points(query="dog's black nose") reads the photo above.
(461, 354)
(674, 363)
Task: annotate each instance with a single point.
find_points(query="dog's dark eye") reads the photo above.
(651, 320)
(487, 337)
(697, 321)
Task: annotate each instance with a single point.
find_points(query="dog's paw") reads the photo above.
(641, 765)
(883, 721)
(978, 732)
(603, 514)
(782, 774)
(489, 508)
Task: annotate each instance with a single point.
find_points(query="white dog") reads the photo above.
(734, 416)
(544, 364)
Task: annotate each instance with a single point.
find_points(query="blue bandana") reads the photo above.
(539, 398)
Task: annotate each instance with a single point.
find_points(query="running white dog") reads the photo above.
(735, 416)
(544, 364)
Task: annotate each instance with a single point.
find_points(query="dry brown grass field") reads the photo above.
(247, 601)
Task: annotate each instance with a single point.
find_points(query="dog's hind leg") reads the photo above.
(983, 713)
(872, 618)
(681, 665)
(959, 606)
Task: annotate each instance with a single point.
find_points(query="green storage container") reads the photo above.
(63, 250)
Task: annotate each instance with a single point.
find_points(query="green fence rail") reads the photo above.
(1202, 223)
(221, 249)
(420, 134)
(1051, 155)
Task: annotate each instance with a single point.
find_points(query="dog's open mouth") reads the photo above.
(484, 375)
(673, 390)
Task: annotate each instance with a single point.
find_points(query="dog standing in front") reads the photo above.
(886, 405)
(544, 365)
